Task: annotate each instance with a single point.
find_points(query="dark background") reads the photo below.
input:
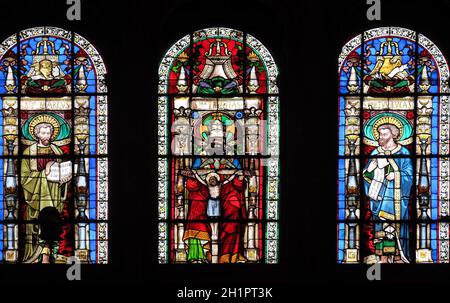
(305, 39)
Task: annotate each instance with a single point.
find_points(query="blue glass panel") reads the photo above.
(341, 242)
(2, 211)
(8, 65)
(93, 241)
(59, 54)
(83, 65)
(1, 242)
(425, 60)
(341, 189)
(1, 127)
(51, 77)
(93, 125)
(341, 126)
(351, 66)
(435, 126)
(93, 188)
(434, 241)
(1, 162)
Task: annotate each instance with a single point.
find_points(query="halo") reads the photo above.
(210, 175)
(371, 134)
(387, 120)
(61, 129)
(39, 119)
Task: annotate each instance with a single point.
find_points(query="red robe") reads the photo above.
(232, 208)
(197, 227)
(59, 88)
(231, 233)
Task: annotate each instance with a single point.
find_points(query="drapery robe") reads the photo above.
(198, 232)
(40, 86)
(197, 235)
(39, 193)
(379, 86)
(393, 199)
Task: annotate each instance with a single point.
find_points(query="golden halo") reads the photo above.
(210, 175)
(39, 119)
(387, 120)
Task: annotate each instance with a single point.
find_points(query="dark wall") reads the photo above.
(305, 38)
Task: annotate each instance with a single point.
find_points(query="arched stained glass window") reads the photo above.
(53, 149)
(393, 167)
(218, 150)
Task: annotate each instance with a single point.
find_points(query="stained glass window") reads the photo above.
(53, 147)
(218, 110)
(393, 167)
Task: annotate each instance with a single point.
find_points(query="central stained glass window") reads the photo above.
(218, 126)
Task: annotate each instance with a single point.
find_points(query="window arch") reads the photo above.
(393, 149)
(53, 147)
(218, 148)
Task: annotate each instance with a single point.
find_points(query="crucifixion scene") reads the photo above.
(216, 195)
(218, 189)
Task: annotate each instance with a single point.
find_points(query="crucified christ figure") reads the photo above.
(211, 199)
